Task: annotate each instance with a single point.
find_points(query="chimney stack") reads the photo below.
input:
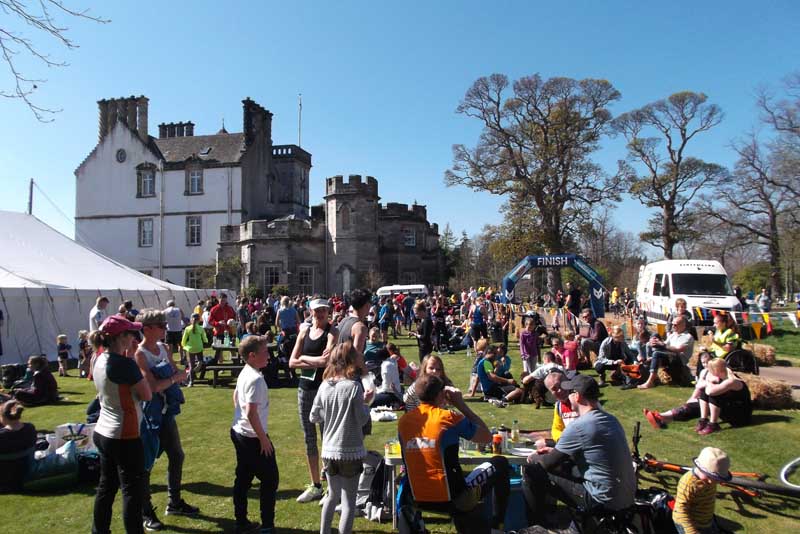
(189, 129)
(143, 103)
(132, 111)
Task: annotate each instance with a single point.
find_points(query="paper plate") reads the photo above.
(521, 451)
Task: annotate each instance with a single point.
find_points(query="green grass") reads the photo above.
(208, 471)
(786, 340)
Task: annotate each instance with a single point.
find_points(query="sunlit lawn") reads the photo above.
(208, 471)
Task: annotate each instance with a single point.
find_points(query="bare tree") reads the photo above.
(670, 180)
(39, 24)
(535, 150)
(752, 203)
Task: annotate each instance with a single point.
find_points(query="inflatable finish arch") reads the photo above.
(557, 261)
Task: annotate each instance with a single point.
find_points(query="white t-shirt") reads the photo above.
(391, 378)
(174, 319)
(96, 318)
(250, 388)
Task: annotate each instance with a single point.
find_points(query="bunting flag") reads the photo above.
(746, 317)
(793, 317)
(767, 322)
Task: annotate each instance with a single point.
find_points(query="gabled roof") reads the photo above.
(224, 148)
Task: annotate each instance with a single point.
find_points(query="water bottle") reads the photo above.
(515, 431)
(227, 341)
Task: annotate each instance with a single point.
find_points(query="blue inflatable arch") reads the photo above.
(557, 261)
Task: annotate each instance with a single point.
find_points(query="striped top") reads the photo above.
(120, 410)
(694, 503)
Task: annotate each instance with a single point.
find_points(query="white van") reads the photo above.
(701, 283)
(417, 290)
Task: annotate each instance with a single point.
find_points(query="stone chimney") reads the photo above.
(143, 104)
(189, 131)
(131, 111)
(255, 120)
(175, 129)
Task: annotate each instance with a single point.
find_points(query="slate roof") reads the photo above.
(225, 148)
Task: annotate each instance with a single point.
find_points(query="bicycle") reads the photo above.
(748, 483)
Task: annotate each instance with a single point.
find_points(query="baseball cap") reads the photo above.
(585, 385)
(318, 303)
(116, 324)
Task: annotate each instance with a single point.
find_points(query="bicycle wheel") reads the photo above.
(766, 487)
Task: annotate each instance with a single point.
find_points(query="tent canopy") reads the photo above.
(48, 284)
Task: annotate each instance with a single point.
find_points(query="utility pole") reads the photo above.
(30, 197)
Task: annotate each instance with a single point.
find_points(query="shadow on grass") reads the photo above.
(767, 503)
(766, 418)
(216, 490)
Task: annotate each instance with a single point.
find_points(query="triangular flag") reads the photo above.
(767, 321)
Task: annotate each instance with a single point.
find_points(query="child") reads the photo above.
(406, 370)
(697, 491)
(374, 351)
(340, 407)
(63, 354)
(249, 329)
(193, 340)
(480, 352)
(570, 352)
(390, 392)
(529, 346)
(84, 353)
(255, 453)
(502, 365)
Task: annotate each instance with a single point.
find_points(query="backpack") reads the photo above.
(377, 507)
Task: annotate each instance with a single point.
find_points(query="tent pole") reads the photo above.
(33, 321)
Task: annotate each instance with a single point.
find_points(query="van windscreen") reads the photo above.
(701, 284)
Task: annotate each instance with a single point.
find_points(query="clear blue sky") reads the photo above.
(381, 80)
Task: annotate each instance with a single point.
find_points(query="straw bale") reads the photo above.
(765, 354)
(768, 394)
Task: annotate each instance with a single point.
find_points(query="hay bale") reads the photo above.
(768, 394)
(765, 354)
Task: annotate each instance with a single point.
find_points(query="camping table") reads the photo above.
(464, 457)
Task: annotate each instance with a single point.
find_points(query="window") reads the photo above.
(344, 212)
(408, 278)
(193, 231)
(409, 237)
(272, 276)
(145, 232)
(305, 280)
(194, 181)
(145, 181)
(193, 278)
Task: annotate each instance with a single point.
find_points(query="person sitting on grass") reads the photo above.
(408, 371)
(533, 385)
(502, 362)
(390, 392)
(495, 387)
(722, 394)
(17, 442)
(569, 354)
(688, 410)
(255, 453)
(480, 351)
(678, 346)
(43, 389)
(374, 350)
(432, 364)
(613, 353)
(697, 492)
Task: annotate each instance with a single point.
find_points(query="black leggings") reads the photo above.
(121, 465)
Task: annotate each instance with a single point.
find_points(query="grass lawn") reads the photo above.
(786, 340)
(208, 470)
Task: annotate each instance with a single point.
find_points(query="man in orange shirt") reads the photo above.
(429, 438)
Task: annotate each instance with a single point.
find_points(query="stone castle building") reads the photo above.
(169, 206)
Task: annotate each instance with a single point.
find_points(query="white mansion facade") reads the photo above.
(157, 204)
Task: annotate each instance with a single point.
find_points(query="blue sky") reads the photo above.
(381, 81)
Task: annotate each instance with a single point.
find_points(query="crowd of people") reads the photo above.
(341, 349)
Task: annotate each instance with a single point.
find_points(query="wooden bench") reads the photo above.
(217, 369)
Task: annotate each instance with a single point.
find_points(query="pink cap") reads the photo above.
(115, 325)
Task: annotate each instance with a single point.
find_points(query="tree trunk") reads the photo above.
(667, 240)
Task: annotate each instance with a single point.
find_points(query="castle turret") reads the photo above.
(351, 237)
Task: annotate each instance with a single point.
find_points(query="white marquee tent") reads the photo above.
(48, 284)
